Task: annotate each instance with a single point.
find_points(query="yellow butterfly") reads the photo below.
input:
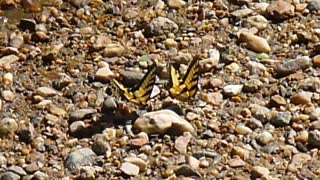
(186, 88)
(141, 93)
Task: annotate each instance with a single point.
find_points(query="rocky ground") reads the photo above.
(256, 114)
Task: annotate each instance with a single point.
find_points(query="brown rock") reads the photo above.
(280, 10)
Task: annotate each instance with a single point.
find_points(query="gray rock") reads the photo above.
(256, 68)
(77, 127)
(80, 157)
(109, 104)
(314, 138)
(163, 122)
(18, 170)
(265, 137)
(31, 168)
(17, 41)
(252, 85)
(281, 119)
(46, 91)
(131, 78)
(261, 113)
(101, 146)
(40, 176)
(315, 115)
(9, 176)
(292, 66)
(160, 26)
(8, 126)
(314, 5)
(81, 114)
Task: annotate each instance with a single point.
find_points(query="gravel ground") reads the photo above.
(256, 114)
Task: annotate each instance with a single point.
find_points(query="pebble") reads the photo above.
(265, 137)
(187, 171)
(211, 62)
(258, 21)
(31, 168)
(8, 95)
(81, 114)
(242, 129)
(314, 138)
(140, 140)
(176, 4)
(255, 43)
(57, 111)
(8, 126)
(101, 146)
(193, 162)
(80, 157)
(236, 162)
(232, 90)
(3, 160)
(214, 98)
(314, 5)
(17, 170)
(161, 26)
(281, 119)
(302, 97)
(277, 101)
(109, 104)
(38, 175)
(112, 50)
(7, 60)
(261, 113)
(87, 172)
(259, 171)
(253, 85)
(137, 161)
(77, 127)
(104, 74)
(292, 66)
(27, 24)
(315, 114)
(46, 91)
(163, 122)
(256, 67)
(302, 136)
(181, 143)
(297, 162)
(280, 10)
(130, 169)
(9, 176)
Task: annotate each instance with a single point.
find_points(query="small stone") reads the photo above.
(109, 104)
(87, 172)
(81, 114)
(256, 68)
(241, 13)
(38, 175)
(258, 21)
(160, 26)
(170, 43)
(101, 146)
(27, 24)
(8, 126)
(242, 129)
(261, 113)
(176, 4)
(236, 162)
(181, 143)
(255, 43)
(253, 85)
(302, 136)
(80, 157)
(277, 101)
(242, 153)
(297, 162)
(8, 95)
(314, 138)
(193, 162)
(137, 161)
(8, 78)
(80, 3)
(211, 62)
(315, 114)
(7, 60)
(214, 98)
(3, 160)
(9, 176)
(280, 10)
(31, 168)
(301, 97)
(104, 73)
(163, 122)
(316, 60)
(187, 171)
(265, 137)
(204, 164)
(18, 170)
(292, 66)
(280, 119)
(46, 91)
(26, 132)
(130, 169)
(77, 127)
(57, 111)
(112, 50)
(259, 171)
(232, 90)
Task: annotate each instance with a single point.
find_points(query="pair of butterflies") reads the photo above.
(182, 89)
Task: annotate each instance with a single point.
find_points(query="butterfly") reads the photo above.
(186, 88)
(141, 93)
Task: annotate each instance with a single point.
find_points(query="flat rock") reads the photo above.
(7, 60)
(80, 157)
(163, 122)
(81, 114)
(292, 66)
(130, 169)
(297, 162)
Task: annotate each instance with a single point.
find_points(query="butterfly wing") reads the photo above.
(190, 79)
